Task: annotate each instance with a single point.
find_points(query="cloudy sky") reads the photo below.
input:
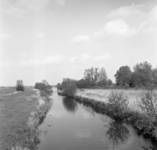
(53, 39)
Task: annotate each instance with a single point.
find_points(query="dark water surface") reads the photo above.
(72, 126)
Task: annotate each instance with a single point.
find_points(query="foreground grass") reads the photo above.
(20, 115)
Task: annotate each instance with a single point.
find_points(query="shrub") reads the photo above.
(19, 85)
(69, 87)
(20, 88)
(148, 103)
(118, 104)
(43, 87)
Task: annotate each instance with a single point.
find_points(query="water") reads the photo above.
(72, 126)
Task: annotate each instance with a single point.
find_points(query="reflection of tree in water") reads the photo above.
(149, 148)
(70, 104)
(117, 132)
(90, 110)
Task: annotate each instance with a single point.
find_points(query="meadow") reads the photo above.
(20, 115)
(102, 95)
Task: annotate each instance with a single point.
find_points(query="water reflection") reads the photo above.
(70, 104)
(85, 130)
(117, 132)
(149, 148)
(89, 110)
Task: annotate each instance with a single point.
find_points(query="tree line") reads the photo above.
(93, 77)
(143, 75)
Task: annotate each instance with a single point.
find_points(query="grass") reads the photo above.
(102, 95)
(6, 90)
(16, 111)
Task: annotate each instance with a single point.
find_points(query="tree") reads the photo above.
(102, 77)
(43, 87)
(123, 76)
(69, 87)
(102, 74)
(109, 82)
(59, 86)
(82, 83)
(91, 76)
(143, 75)
(155, 76)
(19, 85)
(45, 82)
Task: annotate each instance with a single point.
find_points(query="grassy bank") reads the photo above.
(140, 121)
(20, 115)
(102, 95)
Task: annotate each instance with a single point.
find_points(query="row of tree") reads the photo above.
(93, 77)
(143, 75)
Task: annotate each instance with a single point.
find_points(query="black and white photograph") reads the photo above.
(78, 74)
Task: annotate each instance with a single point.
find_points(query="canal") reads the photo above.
(72, 126)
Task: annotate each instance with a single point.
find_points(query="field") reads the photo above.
(16, 109)
(102, 94)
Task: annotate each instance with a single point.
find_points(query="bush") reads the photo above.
(148, 103)
(20, 88)
(43, 87)
(19, 85)
(118, 104)
(69, 87)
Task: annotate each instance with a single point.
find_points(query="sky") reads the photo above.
(56, 39)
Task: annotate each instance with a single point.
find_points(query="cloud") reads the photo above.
(58, 59)
(19, 7)
(53, 59)
(116, 27)
(31, 62)
(4, 37)
(40, 35)
(24, 54)
(102, 57)
(128, 11)
(81, 39)
(150, 24)
(46, 61)
(61, 2)
(86, 58)
(73, 58)
(5, 64)
(130, 21)
(80, 58)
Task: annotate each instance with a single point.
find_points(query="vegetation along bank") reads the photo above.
(143, 80)
(20, 115)
(116, 107)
